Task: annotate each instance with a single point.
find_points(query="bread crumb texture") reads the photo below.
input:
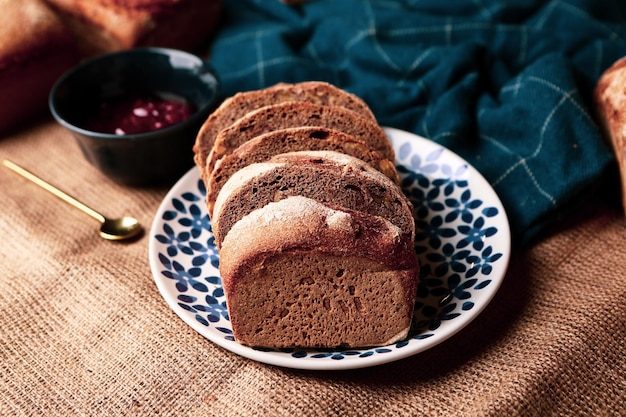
(299, 273)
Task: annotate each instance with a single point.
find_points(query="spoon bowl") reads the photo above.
(121, 228)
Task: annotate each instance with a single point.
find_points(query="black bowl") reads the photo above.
(151, 157)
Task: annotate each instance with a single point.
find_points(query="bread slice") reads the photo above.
(610, 106)
(237, 106)
(295, 114)
(298, 273)
(273, 143)
(326, 176)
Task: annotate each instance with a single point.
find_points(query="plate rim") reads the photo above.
(283, 359)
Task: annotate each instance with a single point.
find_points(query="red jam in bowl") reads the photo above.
(125, 116)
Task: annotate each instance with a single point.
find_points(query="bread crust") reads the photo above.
(263, 147)
(41, 39)
(35, 49)
(295, 114)
(360, 291)
(109, 25)
(237, 106)
(610, 105)
(325, 176)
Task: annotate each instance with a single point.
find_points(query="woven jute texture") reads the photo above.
(85, 332)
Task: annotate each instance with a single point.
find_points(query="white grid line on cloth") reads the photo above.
(581, 13)
(515, 87)
(572, 9)
(414, 65)
(377, 46)
(239, 37)
(449, 26)
(598, 68)
(379, 49)
(260, 63)
(446, 134)
(313, 54)
(370, 13)
(266, 64)
(522, 162)
(484, 10)
(544, 18)
(570, 97)
(523, 50)
(370, 32)
(356, 38)
(427, 134)
(310, 48)
(448, 31)
(567, 96)
(498, 145)
(533, 179)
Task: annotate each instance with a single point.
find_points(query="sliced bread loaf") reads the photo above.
(297, 114)
(298, 273)
(264, 147)
(235, 107)
(326, 176)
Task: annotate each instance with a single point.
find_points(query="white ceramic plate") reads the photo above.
(462, 239)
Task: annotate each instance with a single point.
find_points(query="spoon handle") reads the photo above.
(52, 189)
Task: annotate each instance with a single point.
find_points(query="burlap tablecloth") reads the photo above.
(84, 331)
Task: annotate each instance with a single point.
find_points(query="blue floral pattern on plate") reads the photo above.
(462, 239)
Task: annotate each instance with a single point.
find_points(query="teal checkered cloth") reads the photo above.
(505, 84)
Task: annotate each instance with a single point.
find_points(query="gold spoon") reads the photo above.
(111, 229)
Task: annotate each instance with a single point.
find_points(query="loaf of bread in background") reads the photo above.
(35, 49)
(41, 39)
(300, 273)
(109, 25)
(610, 106)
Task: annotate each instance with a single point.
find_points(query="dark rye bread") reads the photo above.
(273, 143)
(297, 114)
(298, 273)
(326, 176)
(237, 106)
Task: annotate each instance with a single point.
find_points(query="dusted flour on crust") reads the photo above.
(326, 176)
(299, 273)
(265, 146)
